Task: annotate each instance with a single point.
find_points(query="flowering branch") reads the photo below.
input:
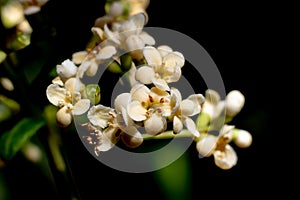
(151, 104)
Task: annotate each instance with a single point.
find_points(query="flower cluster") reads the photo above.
(152, 106)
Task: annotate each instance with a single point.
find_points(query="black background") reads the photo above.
(240, 38)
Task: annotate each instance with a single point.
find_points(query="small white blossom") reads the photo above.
(182, 110)
(68, 99)
(224, 155)
(163, 67)
(235, 101)
(66, 69)
(242, 138)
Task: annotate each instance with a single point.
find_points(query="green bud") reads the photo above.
(126, 62)
(18, 41)
(114, 67)
(2, 56)
(93, 93)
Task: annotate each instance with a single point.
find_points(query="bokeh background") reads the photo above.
(237, 39)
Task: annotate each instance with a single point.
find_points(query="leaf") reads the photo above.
(13, 140)
(175, 179)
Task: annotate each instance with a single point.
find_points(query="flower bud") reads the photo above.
(64, 117)
(206, 145)
(93, 93)
(132, 141)
(235, 101)
(242, 138)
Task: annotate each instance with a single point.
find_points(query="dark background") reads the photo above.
(238, 39)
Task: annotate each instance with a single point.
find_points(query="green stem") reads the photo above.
(169, 135)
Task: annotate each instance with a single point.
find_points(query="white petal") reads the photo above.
(67, 69)
(197, 100)
(177, 125)
(132, 137)
(79, 57)
(99, 32)
(110, 35)
(145, 74)
(161, 84)
(136, 111)
(155, 124)
(116, 9)
(32, 10)
(206, 145)
(148, 39)
(191, 126)
(140, 93)
(152, 56)
(187, 107)
(226, 159)
(56, 94)
(171, 74)
(83, 67)
(108, 139)
(73, 85)
(106, 53)
(175, 99)
(212, 96)
(81, 107)
(121, 101)
(235, 101)
(92, 70)
(134, 42)
(174, 59)
(64, 117)
(226, 129)
(139, 20)
(57, 80)
(164, 50)
(100, 115)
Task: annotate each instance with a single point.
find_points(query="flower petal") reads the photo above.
(100, 115)
(174, 59)
(111, 36)
(206, 145)
(212, 96)
(144, 74)
(98, 32)
(56, 94)
(106, 53)
(187, 107)
(81, 107)
(155, 124)
(177, 125)
(121, 101)
(148, 39)
(139, 20)
(161, 84)
(67, 69)
(136, 111)
(164, 50)
(79, 57)
(108, 139)
(191, 126)
(152, 56)
(140, 93)
(226, 159)
(131, 137)
(64, 117)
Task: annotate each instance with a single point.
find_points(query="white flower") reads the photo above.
(149, 106)
(68, 99)
(163, 67)
(66, 69)
(224, 155)
(100, 115)
(184, 109)
(89, 62)
(128, 35)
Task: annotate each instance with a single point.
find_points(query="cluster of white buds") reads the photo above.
(152, 106)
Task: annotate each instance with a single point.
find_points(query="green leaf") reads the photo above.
(175, 179)
(13, 140)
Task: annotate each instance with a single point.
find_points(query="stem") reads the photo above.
(169, 135)
(57, 161)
